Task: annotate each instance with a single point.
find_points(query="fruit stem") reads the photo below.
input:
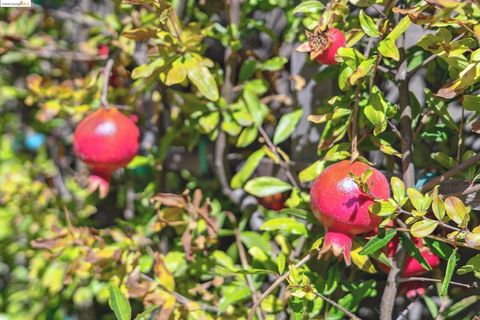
(106, 79)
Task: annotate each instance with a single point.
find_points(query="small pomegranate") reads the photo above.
(275, 202)
(323, 45)
(412, 267)
(342, 207)
(105, 140)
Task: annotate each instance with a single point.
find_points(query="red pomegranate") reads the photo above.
(105, 140)
(337, 39)
(323, 45)
(275, 202)
(411, 267)
(342, 207)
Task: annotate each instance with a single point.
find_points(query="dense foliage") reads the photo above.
(212, 218)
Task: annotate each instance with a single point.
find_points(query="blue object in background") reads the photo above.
(423, 180)
(33, 141)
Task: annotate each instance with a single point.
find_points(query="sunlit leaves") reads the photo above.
(423, 228)
(286, 126)
(288, 225)
(368, 25)
(309, 6)
(312, 171)
(420, 202)
(204, 81)
(388, 49)
(119, 303)
(457, 211)
(265, 186)
(375, 111)
(362, 261)
(378, 242)
(247, 170)
(451, 264)
(413, 251)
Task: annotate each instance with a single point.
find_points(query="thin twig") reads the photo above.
(283, 163)
(395, 130)
(465, 285)
(185, 301)
(441, 223)
(470, 189)
(106, 79)
(276, 283)
(412, 72)
(339, 307)
(406, 310)
(452, 172)
(451, 242)
(244, 260)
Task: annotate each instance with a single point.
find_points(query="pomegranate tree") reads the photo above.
(105, 140)
(342, 207)
(323, 45)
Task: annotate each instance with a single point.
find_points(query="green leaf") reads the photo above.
(367, 24)
(383, 208)
(312, 171)
(419, 201)
(310, 6)
(423, 228)
(457, 211)
(431, 305)
(413, 251)
(438, 207)
(388, 49)
(257, 109)
(281, 262)
(399, 29)
(375, 111)
(247, 136)
(146, 315)
(288, 225)
(146, 70)
(362, 70)
(378, 242)
(266, 186)
(440, 108)
(398, 190)
(254, 239)
(248, 169)
(460, 306)
(119, 303)
(444, 159)
(177, 73)
(231, 294)
(452, 262)
(203, 80)
(274, 64)
(286, 126)
(471, 102)
(439, 248)
(247, 70)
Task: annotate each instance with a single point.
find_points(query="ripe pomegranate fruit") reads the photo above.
(105, 140)
(274, 202)
(323, 45)
(342, 207)
(411, 267)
